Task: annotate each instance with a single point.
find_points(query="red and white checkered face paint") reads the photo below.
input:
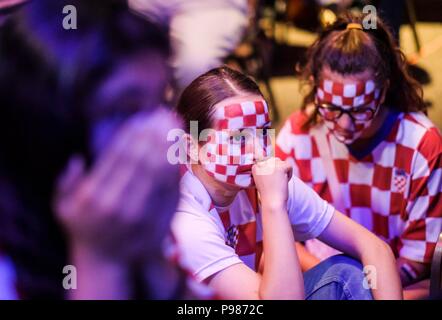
(354, 97)
(239, 137)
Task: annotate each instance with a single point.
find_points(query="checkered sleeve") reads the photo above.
(424, 207)
(291, 135)
(283, 148)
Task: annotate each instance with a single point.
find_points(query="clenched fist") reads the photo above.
(271, 178)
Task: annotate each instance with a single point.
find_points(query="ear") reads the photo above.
(192, 148)
(384, 91)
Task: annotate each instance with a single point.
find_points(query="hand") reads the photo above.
(122, 208)
(271, 178)
(418, 291)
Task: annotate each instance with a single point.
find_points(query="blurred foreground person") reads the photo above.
(203, 33)
(83, 177)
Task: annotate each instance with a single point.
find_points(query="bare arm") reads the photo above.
(282, 276)
(99, 278)
(351, 238)
(306, 259)
(417, 291)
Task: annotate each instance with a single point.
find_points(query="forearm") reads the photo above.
(381, 274)
(98, 278)
(306, 259)
(282, 276)
(417, 291)
(376, 256)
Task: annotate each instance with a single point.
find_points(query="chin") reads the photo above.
(252, 184)
(346, 141)
(235, 187)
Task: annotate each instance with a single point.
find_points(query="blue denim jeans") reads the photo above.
(336, 278)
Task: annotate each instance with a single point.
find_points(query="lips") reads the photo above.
(345, 134)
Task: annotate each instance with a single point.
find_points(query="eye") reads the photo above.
(329, 111)
(329, 107)
(363, 113)
(361, 110)
(236, 138)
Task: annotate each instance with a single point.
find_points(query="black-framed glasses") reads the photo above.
(332, 112)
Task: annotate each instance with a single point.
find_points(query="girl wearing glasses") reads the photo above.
(363, 142)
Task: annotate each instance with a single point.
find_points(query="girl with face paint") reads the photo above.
(241, 210)
(364, 143)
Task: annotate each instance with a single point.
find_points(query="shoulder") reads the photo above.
(293, 133)
(297, 122)
(308, 212)
(194, 197)
(300, 194)
(415, 131)
(195, 217)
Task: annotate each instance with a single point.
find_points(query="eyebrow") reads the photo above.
(267, 124)
(340, 107)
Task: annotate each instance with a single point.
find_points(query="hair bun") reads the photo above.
(357, 26)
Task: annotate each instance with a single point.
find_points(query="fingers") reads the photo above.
(271, 165)
(134, 162)
(113, 153)
(288, 169)
(72, 175)
(68, 183)
(153, 170)
(131, 181)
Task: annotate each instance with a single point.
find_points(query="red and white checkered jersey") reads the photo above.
(394, 190)
(194, 290)
(210, 241)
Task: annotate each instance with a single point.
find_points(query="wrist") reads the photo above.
(98, 276)
(273, 207)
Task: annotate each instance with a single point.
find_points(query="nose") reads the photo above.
(261, 145)
(259, 152)
(345, 122)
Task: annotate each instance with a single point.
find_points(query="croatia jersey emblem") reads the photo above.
(232, 236)
(400, 178)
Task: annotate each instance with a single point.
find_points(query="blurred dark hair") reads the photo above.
(202, 94)
(47, 75)
(351, 51)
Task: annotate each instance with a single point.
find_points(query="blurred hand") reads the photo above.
(10, 3)
(271, 178)
(122, 208)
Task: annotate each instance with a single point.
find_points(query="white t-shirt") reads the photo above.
(210, 241)
(161, 11)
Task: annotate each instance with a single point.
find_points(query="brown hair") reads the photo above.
(198, 99)
(351, 51)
